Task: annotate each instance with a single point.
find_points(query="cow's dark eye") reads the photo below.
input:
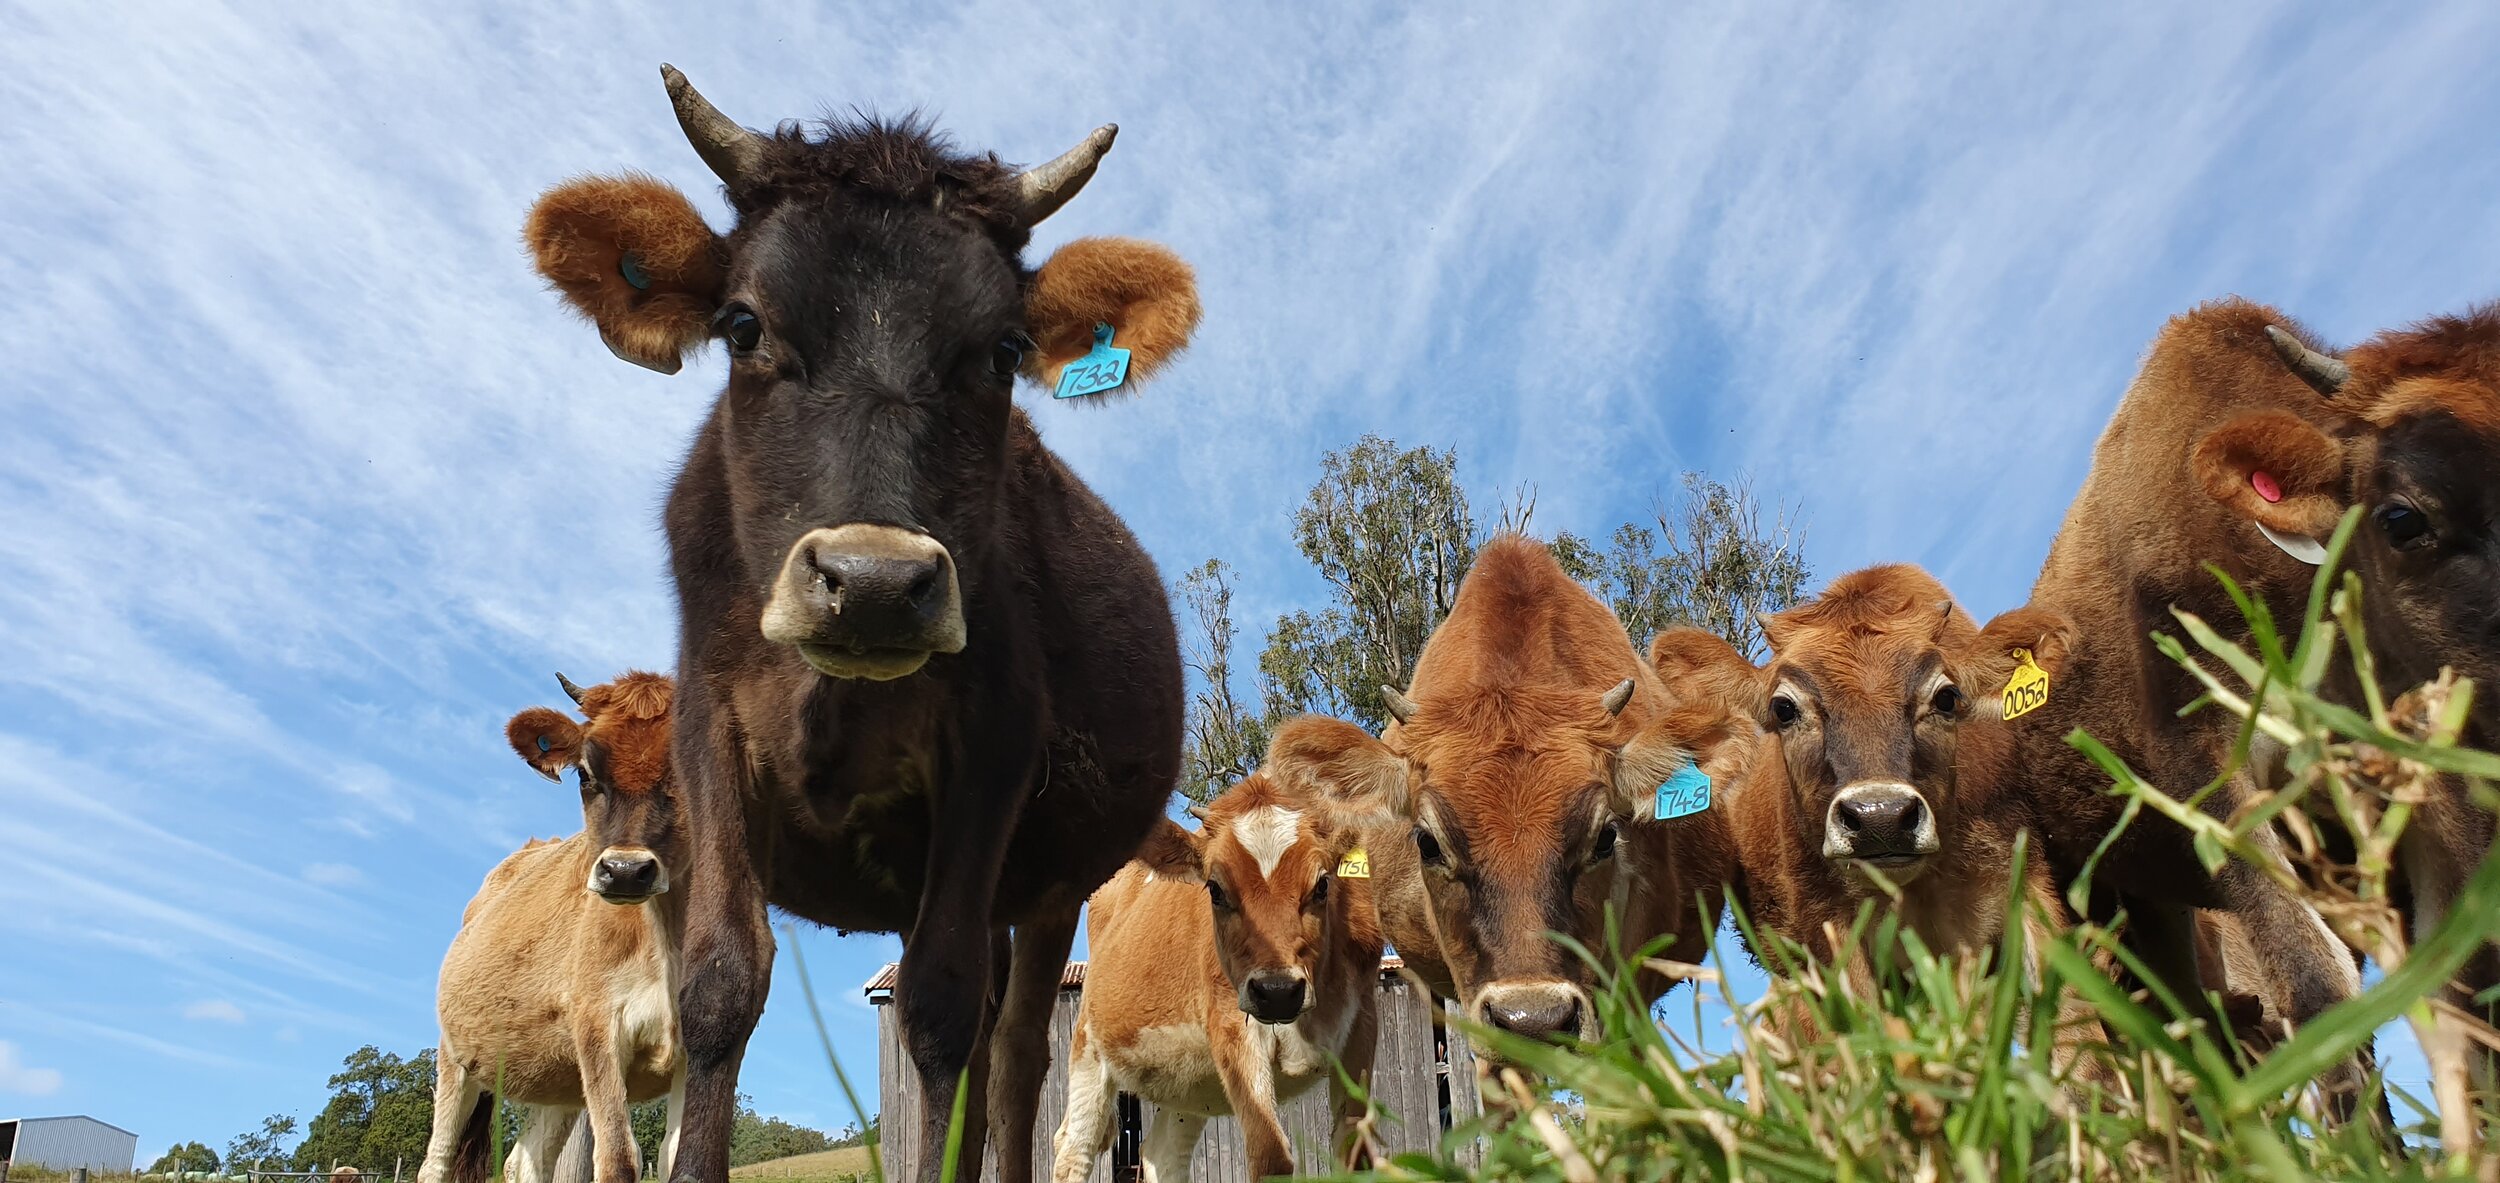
(1783, 709)
(1605, 846)
(1428, 848)
(1319, 893)
(2405, 526)
(1007, 356)
(742, 329)
(1947, 700)
(1216, 896)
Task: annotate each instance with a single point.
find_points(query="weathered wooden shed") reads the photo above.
(68, 1144)
(1423, 1080)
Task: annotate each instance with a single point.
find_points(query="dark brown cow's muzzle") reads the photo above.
(1886, 824)
(861, 601)
(627, 875)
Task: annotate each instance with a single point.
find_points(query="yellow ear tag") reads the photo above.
(1356, 865)
(2028, 689)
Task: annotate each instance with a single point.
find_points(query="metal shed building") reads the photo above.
(1423, 1080)
(68, 1143)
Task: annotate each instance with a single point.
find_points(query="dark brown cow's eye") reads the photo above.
(1605, 847)
(1946, 701)
(1008, 355)
(2404, 526)
(742, 329)
(1428, 848)
(1319, 893)
(1216, 896)
(1783, 709)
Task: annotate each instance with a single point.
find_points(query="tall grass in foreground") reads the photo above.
(1946, 1074)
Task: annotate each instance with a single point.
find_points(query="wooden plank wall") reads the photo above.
(1419, 1097)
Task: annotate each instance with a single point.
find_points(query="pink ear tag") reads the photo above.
(2264, 483)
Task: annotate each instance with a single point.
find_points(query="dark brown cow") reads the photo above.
(2406, 424)
(1231, 969)
(2134, 544)
(1522, 775)
(929, 682)
(1885, 747)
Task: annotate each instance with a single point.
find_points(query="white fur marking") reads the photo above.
(1267, 833)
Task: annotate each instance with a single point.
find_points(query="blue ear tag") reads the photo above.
(543, 745)
(631, 268)
(1685, 793)
(1102, 368)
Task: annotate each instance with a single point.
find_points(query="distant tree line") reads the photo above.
(1391, 534)
(381, 1110)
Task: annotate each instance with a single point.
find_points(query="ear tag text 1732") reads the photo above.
(1684, 794)
(2028, 689)
(1102, 368)
(1357, 864)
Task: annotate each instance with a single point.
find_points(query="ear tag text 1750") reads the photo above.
(2028, 689)
(1684, 794)
(1102, 368)
(1357, 864)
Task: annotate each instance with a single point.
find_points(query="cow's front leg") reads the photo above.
(727, 952)
(1020, 1041)
(950, 969)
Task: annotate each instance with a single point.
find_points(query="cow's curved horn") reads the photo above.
(1617, 698)
(2326, 374)
(1046, 187)
(733, 152)
(1196, 810)
(1401, 708)
(570, 688)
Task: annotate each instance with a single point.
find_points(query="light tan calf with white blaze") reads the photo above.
(1230, 970)
(561, 990)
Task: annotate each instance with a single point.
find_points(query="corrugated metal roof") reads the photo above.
(75, 1117)
(1071, 978)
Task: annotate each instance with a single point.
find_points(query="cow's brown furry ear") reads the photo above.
(1174, 853)
(546, 739)
(2277, 469)
(1146, 293)
(1990, 662)
(1359, 779)
(632, 255)
(1701, 666)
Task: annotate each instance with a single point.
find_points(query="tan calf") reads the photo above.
(1231, 969)
(560, 993)
(1885, 751)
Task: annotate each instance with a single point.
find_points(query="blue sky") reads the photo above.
(308, 486)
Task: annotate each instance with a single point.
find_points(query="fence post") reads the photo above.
(78, 1175)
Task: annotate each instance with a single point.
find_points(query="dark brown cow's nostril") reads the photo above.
(632, 877)
(1273, 997)
(1560, 1013)
(1882, 825)
(880, 593)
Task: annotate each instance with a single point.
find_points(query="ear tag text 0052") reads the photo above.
(1102, 368)
(1684, 794)
(1357, 864)
(2028, 689)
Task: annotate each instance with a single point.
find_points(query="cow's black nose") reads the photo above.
(907, 592)
(1273, 997)
(1548, 1013)
(627, 876)
(1882, 826)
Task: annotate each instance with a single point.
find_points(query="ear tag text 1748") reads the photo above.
(1102, 368)
(1684, 794)
(2028, 689)
(1357, 864)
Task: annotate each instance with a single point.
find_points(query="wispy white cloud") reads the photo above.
(213, 1010)
(16, 1076)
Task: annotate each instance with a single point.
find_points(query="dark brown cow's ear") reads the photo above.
(2275, 469)
(1146, 293)
(546, 739)
(1171, 852)
(631, 254)
(1357, 778)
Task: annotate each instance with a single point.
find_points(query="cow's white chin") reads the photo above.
(874, 665)
(1899, 869)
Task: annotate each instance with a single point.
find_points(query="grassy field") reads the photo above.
(829, 1166)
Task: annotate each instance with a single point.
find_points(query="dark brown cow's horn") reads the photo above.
(1401, 708)
(2327, 374)
(570, 688)
(1046, 187)
(1617, 698)
(733, 152)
